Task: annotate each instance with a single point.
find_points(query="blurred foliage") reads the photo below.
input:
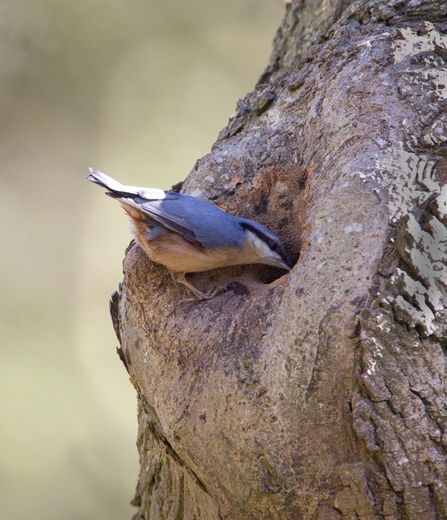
(138, 89)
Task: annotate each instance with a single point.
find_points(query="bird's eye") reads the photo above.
(273, 245)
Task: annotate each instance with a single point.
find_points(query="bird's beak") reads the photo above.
(286, 264)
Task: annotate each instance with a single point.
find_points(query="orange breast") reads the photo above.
(173, 251)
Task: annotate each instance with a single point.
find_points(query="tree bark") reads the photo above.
(319, 394)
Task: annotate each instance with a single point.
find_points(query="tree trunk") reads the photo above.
(320, 394)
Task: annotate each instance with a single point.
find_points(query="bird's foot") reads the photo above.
(200, 296)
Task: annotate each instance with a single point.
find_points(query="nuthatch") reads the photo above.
(187, 234)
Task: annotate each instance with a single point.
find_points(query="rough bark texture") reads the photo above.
(321, 394)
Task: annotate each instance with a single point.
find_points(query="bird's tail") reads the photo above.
(115, 188)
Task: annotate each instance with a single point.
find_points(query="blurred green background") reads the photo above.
(138, 89)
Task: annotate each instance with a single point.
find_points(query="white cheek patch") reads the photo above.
(262, 248)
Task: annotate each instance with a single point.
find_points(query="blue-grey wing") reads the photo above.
(164, 213)
(195, 219)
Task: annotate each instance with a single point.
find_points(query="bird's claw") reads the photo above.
(202, 296)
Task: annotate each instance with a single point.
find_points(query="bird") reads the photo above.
(187, 234)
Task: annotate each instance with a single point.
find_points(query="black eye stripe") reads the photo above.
(273, 245)
(257, 232)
